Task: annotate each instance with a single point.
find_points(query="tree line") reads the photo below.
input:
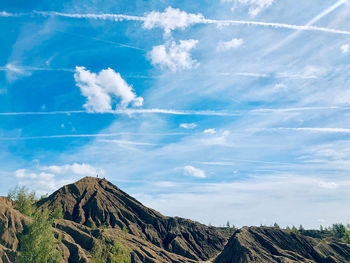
(38, 244)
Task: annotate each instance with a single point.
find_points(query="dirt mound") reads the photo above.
(267, 244)
(94, 208)
(12, 223)
(96, 202)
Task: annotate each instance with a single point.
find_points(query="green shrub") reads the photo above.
(38, 244)
(23, 200)
(110, 251)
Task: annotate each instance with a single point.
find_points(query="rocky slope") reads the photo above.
(94, 208)
(267, 244)
(96, 202)
(12, 224)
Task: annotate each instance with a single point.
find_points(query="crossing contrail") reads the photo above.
(310, 23)
(122, 17)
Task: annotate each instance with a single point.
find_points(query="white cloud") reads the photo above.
(171, 19)
(174, 56)
(328, 185)
(218, 139)
(188, 125)
(41, 182)
(227, 45)
(43, 179)
(5, 14)
(194, 172)
(345, 48)
(75, 168)
(100, 90)
(23, 173)
(255, 6)
(209, 131)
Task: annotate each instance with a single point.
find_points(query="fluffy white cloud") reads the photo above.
(188, 125)
(174, 56)
(209, 131)
(345, 48)
(23, 173)
(100, 90)
(75, 168)
(171, 19)
(41, 182)
(227, 45)
(44, 178)
(256, 6)
(194, 172)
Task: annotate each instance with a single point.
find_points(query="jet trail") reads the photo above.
(311, 22)
(122, 17)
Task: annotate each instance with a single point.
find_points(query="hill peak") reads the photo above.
(96, 202)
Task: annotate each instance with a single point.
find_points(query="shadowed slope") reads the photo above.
(267, 244)
(92, 201)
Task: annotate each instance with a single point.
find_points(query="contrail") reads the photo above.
(311, 22)
(319, 130)
(114, 17)
(178, 112)
(93, 136)
(299, 109)
(104, 41)
(23, 69)
(40, 113)
(121, 17)
(275, 25)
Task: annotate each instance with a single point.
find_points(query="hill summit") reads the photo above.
(94, 208)
(97, 202)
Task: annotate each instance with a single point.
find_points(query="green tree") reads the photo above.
(38, 244)
(23, 200)
(301, 228)
(275, 225)
(338, 230)
(109, 251)
(57, 212)
(295, 230)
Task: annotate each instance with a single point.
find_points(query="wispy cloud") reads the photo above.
(308, 24)
(209, 131)
(231, 44)
(316, 130)
(91, 136)
(131, 142)
(255, 6)
(345, 48)
(188, 125)
(194, 172)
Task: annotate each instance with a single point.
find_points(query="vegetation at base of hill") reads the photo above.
(23, 200)
(37, 243)
(110, 251)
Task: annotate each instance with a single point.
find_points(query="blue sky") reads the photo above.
(212, 110)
